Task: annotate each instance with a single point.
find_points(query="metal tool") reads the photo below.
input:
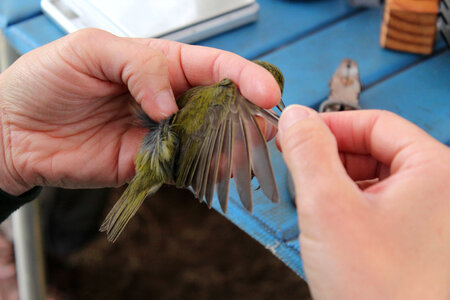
(345, 87)
(29, 252)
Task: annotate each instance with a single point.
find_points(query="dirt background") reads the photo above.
(174, 248)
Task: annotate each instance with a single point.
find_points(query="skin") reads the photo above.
(387, 240)
(63, 111)
(64, 123)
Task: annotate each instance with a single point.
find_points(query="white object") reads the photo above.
(181, 20)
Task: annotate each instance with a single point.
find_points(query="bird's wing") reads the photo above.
(240, 157)
(259, 152)
(245, 150)
(234, 145)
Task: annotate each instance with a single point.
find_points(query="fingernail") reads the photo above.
(165, 103)
(291, 115)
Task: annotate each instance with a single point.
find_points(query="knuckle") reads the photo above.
(380, 115)
(149, 62)
(87, 35)
(82, 42)
(385, 113)
(155, 61)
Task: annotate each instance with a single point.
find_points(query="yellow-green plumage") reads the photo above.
(276, 73)
(202, 111)
(154, 166)
(213, 131)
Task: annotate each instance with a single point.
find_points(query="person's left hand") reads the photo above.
(64, 119)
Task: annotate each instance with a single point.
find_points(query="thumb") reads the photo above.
(311, 154)
(143, 70)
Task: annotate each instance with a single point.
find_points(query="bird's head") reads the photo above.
(276, 73)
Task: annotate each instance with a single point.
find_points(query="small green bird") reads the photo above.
(213, 134)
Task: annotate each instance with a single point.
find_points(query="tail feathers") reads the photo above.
(125, 208)
(154, 165)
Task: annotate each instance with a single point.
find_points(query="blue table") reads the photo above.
(307, 40)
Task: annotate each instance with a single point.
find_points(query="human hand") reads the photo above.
(63, 107)
(390, 240)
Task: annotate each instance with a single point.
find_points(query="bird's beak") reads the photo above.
(281, 105)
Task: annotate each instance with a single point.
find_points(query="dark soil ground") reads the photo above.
(175, 248)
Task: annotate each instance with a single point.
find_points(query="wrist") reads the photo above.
(10, 180)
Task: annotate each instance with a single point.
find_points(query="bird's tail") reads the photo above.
(127, 206)
(154, 166)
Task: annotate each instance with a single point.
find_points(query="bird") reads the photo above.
(214, 135)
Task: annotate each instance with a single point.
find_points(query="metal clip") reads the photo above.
(344, 88)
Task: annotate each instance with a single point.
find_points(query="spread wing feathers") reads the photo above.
(260, 159)
(200, 174)
(241, 160)
(235, 145)
(214, 166)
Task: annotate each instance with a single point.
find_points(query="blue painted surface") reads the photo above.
(273, 225)
(279, 23)
(30, 34)
(309, 63)
(307, 40)
(268, 233)
(17, 10)
(420, 94)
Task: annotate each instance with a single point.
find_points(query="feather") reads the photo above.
(126, 207)
(206, 171)
(185, 176)
(259, 153)
(198, 175)
(154, 165)
(224, 172)
(213, 135)
(241, 161)
(237, 144)
(268, 115)
(214, 166)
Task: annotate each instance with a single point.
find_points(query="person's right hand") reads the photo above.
(390, 240)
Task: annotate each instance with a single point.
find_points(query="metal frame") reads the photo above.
(26, 225)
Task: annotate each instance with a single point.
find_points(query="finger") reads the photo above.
(143, 70)
(387, 137)
(363, 166)
(358, 166)
(130, 143)
(196, 65)
(254, 82)
(311, 154)
(358, 162)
